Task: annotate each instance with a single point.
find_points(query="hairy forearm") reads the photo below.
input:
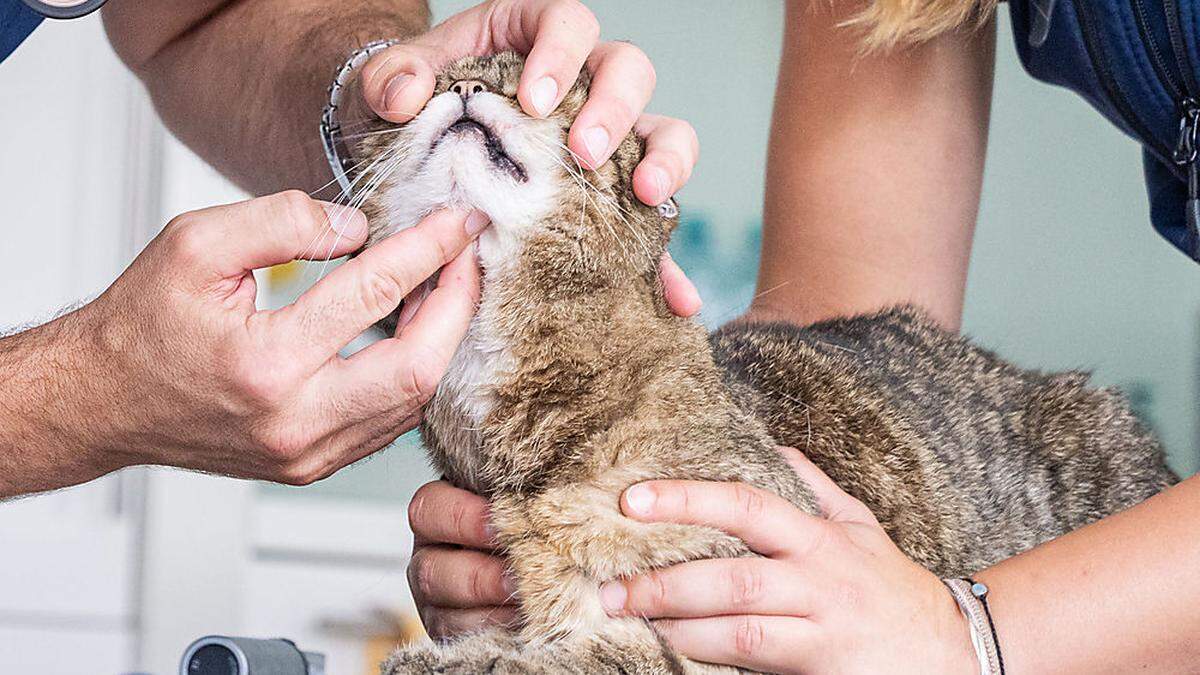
(243, 82)
(874, 171)
(1117, 596)
(42, 400)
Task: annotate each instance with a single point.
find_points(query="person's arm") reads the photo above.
(244, 83)
(873, 172)
(837, 596)
(173, 364)
(1120, 595)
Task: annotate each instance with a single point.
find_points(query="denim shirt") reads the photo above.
(17, 21)
(1135, 62)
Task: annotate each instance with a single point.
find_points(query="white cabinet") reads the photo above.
(79, 143)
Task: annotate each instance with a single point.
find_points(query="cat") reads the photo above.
(575, 381)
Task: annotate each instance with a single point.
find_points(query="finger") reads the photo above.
(712, 588)
(408, 367)
(369, 287)
(460, 578)
(563, 32)
(622, 83)
(769, 524)
(682, 297)
(351, 440)
(412, 303)
(445, 623)
(234, 239)
(761, 643)
(444, 314)
(672, 150)
(834, 502)
(444, 514)
(398, 82)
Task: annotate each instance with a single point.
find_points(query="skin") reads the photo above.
(172, 364)
(273, 146)
(857, 220)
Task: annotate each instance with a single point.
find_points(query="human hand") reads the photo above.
(182, 370)
(459, 584)
(558, 39)
(830, 595)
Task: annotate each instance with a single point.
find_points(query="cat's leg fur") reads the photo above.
(628, 648)
(563, 544)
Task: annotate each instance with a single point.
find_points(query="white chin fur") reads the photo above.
(458, 173)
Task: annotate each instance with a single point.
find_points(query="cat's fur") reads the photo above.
(575, 381)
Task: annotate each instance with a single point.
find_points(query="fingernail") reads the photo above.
(508, 584)
(477, 221)
(542, 95)
(662, 186)
(639, 500)
(612, 597)
(345, 220)
(393, 88)
(408, 310)
(596, 140)
(489, 530)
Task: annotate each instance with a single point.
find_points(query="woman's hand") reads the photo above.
(558, 38)
(459, 585)
(829, 596)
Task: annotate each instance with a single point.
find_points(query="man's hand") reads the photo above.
(558, 39)
(829, 595)
(174, 365)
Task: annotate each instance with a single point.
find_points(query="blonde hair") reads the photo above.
(891, 22)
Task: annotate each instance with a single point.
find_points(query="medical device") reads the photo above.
(221, 655)
(64, 9)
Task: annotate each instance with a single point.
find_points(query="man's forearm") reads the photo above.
(1117, 596)
(243, 82)
(44, 392)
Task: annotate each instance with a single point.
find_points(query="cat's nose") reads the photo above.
(468, 88)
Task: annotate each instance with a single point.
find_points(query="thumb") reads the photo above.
(398, 82)
(835, 504)
(234, 239)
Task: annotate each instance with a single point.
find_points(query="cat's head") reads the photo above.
(472, 146)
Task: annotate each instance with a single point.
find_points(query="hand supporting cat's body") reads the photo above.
(575, 382)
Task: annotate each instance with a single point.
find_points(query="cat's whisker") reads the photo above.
(595, 196)
(583, 184)
(390, 159)
(728, 314)
(611, 201)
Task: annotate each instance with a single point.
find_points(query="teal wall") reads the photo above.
(1066, 271)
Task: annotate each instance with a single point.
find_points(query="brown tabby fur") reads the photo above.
(964, 458)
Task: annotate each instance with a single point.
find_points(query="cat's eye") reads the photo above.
(668, 209)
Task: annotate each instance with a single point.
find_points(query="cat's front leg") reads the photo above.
(563, 543)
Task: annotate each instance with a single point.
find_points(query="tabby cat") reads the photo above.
(575, 381)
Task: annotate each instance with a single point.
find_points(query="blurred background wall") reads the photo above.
(1066, 273)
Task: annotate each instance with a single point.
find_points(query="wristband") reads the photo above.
(971, 597)
(331, 130)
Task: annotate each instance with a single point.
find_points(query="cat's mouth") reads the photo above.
(491, 144)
